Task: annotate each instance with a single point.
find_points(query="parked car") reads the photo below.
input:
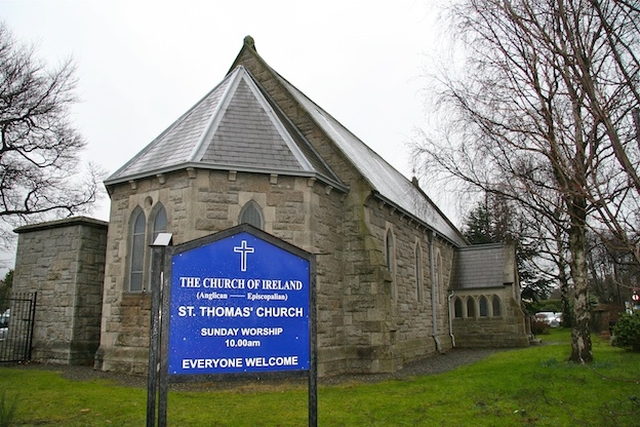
(550, 318)
(4, 325)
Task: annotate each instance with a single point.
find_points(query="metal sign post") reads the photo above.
(159, 248)
(240, 302)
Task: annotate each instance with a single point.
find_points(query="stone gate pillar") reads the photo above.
(63, 261)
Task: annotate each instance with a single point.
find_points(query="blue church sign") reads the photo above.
(239, 302)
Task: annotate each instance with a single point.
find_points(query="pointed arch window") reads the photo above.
(391, 260)
(142, 233)
(457, 308)
(389, 252)
(418, 267)
(471, 307)
(159, 221)
(137, 250)
(438, 278)
(484, 306)
(158, 225)
(251, 214)
(495, 303)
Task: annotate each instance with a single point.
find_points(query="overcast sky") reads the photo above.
(141, 64)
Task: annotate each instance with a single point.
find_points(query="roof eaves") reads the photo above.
(228, 167)
(65, 222)
(330, 122)
(376, 194)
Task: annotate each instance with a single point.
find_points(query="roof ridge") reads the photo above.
(162, 134)
(277, 122)
(217, 115)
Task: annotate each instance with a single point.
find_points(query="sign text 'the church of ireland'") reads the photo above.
(238, 305)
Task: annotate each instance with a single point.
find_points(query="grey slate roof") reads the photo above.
(389, 183)
(238, 127)
(235, 127)
(484, 266)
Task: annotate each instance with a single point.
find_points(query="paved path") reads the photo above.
(435, 364)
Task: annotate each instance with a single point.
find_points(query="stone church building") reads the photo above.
(396, 281)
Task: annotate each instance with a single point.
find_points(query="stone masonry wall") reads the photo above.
(507, 329)
(202, 202)
(322, 221)
(410, 324)
(379, 334)
(355, 338)
(63, 261)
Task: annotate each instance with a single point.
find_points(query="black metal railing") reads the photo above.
(16, 327)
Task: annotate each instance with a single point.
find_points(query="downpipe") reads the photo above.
(434, 307)
(453, 338)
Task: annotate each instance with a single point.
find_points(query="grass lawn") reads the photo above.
(524, 387)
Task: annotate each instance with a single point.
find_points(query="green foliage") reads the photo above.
(535, 386)
(488, 222)
(493, 220)
(626, 331)
(5, 291)
(8, 279)
(553, 305)
(550, 305)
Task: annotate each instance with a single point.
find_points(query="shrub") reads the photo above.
(626, 332)
(540, 327)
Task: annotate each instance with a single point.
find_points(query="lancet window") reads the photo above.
(251, 214)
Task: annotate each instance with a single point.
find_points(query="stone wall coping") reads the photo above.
(62, 223)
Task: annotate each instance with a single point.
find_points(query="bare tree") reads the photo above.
(614, 272)
(39, 147)
(544, 116)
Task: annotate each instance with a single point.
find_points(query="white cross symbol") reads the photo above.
(244, 250)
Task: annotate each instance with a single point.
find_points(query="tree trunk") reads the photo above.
(581, 351)
(567, 314)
